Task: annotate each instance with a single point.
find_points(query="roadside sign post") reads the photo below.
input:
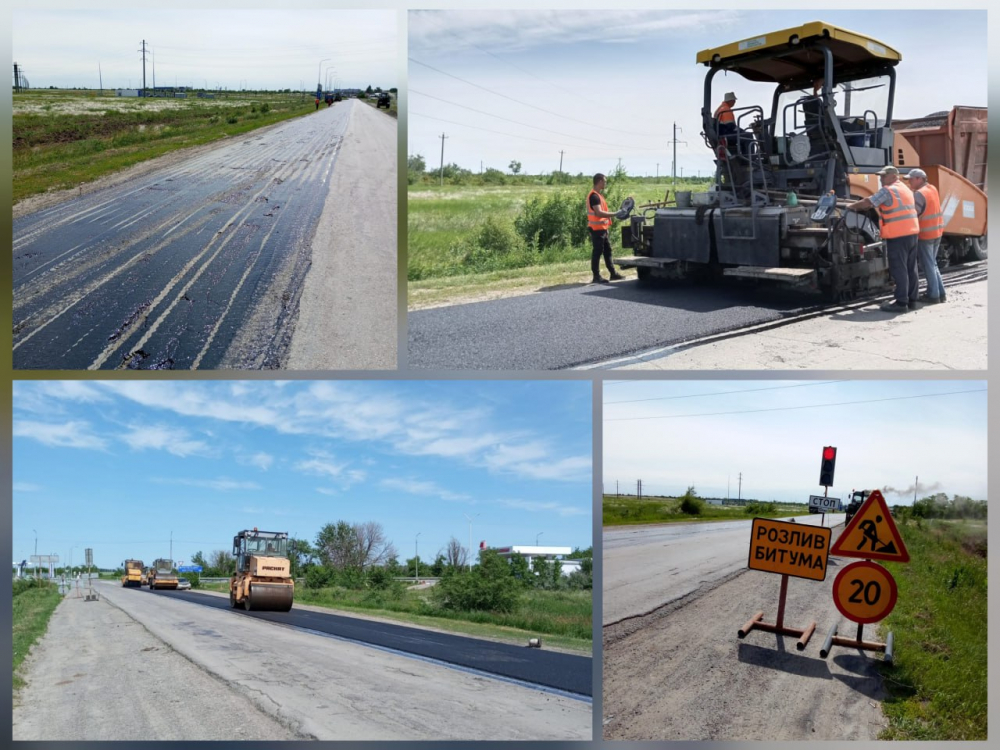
(789, 549)
(91, 596)
(865, 592)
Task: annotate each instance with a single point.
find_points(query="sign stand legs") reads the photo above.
(832, 639)
(757, 621)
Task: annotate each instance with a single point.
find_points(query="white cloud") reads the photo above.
(222, 484)
(322, 464)
(326, 491)
(161, 437)
(261, 460)
(533, 459)
(65, 435)
(421, 487)
(26, 487)
(534, 506)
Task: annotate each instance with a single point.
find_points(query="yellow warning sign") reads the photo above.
(872, 534)
(793, 549)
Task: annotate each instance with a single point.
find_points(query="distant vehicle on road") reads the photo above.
(857, 498)
(384, 100)
(183, 583)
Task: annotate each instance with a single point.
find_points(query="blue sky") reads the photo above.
(207, 48)
(614, 82)
(705, 442)
(118, 465)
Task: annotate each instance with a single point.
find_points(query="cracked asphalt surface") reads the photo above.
(162, 271)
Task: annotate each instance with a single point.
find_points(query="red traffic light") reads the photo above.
(829, 453)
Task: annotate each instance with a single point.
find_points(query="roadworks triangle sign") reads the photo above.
(872, 534)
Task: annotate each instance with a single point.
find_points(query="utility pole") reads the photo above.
(657, 171)
(470, 519)
(100, 78)
(673, 168)
(143, 50)
(561, 152)
(740, 496)
(442, 136)
(416, 557)
(617, 494)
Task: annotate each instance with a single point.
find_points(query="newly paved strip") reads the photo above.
(163, 271)
(570, 327)
(566, 672)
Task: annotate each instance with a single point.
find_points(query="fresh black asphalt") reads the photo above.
(566, 328)
(167, 270)
(538, 666)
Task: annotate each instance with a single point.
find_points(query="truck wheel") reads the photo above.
(246, 602)
(645, 275)
(979, 247)
(232, 599)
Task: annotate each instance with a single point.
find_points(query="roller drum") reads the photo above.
(269, 597)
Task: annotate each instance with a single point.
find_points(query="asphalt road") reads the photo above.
(163, 271)
(646, 567)
(567, 672)
(567, 328)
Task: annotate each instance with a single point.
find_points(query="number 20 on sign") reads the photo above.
(864, 592)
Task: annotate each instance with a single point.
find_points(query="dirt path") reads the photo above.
(348, 309)
(681, 673)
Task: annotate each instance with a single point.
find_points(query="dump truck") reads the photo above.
(133, 573)
(263, 577)
(858, 498)
(161, 575)
(775, 211)
(951, 147)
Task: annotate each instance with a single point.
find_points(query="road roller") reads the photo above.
(133, 573)
(263, 578)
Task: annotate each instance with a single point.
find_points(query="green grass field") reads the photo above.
(563, 617)
(445, 223)
(938, 682)
(31, 609)
(64, 138)
(626, 510)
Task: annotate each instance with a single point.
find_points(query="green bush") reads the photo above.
(318, 576)
(193, 578)
(553, 221)
(691, 504)
(488, 587)
(494, 245)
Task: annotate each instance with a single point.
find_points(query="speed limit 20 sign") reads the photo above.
(864, 592)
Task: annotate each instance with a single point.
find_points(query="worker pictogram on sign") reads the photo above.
(872, 534)
(864, 592)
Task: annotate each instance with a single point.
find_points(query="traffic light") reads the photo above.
(826, 467)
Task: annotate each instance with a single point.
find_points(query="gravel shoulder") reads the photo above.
(98, 674)
(680, 673)
(304, 684)
(950, 336)
(348, 310)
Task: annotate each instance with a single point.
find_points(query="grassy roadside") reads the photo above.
(938, 683)
(562, 618)
(629, 511)
(31, 609)
(61, 148)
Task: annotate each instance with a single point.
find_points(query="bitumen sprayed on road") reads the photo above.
(565, 672)
(572, 327)
(178, 268)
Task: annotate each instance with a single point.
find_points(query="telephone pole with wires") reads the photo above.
(143, 51)
(442, 137)
(560, 159)
(673, 165)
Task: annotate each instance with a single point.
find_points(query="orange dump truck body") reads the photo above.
(955, 139)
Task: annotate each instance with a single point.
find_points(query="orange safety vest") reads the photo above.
(931, 220)
(595, 222)
(898, 218)
(724, 113)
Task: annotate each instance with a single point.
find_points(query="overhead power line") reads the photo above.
(725, 393)
(526, 125)
(792, 408)
(526, 104)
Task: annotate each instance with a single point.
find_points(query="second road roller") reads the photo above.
(263, 577)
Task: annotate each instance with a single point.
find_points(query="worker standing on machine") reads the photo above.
(724, 115)
(900, 229)
(928, 203)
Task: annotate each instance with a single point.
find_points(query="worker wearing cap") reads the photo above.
(928, 205)
(724, 115)
(900, 229)
(598, 223)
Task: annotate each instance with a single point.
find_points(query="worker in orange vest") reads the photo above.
(900, 228)
(724, 115)
(928, 204)
(598, 223)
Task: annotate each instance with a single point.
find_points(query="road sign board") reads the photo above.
(189, 569)
(825, 504)
(45, 559)
(872, 534)
(789, 548)
(864, 592)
